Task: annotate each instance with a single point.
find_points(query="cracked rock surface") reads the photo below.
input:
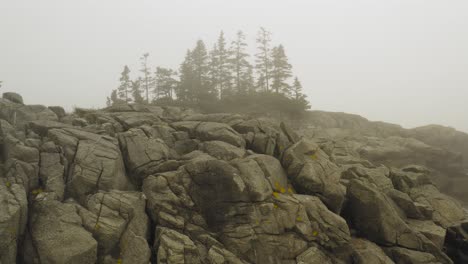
(151, 184)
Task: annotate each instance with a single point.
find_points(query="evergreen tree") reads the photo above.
(114, 98)
(185, 89)
(263, 57)
(297, 89)
(281, 71)
(261, 84)
(247, 80)
(125, 85)
(222, 55)
(165, 82)
(201, 84)
(298, 95)
(241, 66)
(147, 81)
(214, 68)
(136, 91)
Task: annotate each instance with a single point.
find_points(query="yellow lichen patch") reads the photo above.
(275, 205)
(8, 184)
(282, 190)
(119, 261)
(275, 194)
(315, 233)
(37, 191)
(96, 227)
(313, 156)
(290, 190)
(299, 219)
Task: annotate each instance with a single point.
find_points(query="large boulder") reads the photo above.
(13, 219)
(120, 225)
(173, 247)
(57, 234)
(373, 215)
(207, 131)
(366, 252)
(13, 97)
(456, 242)
(311, 172)
(94, 162)
(142, 152)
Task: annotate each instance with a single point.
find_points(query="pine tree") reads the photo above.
(165, 82)
(242, 69)
(125, 85)
(185, 89)
(281, 71)
(201, 84)
(247, 81)
(147, 81)
(263, 57)
(214, 68)
(136, 91)
(297, 89)
(224, 73)
(298, 95)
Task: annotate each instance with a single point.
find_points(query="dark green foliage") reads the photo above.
(280, 71)
(166, 83)
(125, 85)
(136, 91)
(221, 80)
(263, 58)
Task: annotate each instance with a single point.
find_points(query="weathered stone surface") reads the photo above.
(313, 255)
(331, 229)
(447, 211)
(173, 247)
(429, 229)
(13, 219)
(311, 172)
(13, 97)
(58, 110)
(403, 256)
(120, 225)
(15, 149)
(51, 173)
(207, 131)
(20, 115)
(222, 150)
(58, 236)
(366, 252)
(456, 242)
(142, 153)
(373, 215)
(404, 202)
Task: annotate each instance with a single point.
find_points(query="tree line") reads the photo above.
(223, 73)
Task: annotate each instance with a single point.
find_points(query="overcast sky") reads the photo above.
(400, 61)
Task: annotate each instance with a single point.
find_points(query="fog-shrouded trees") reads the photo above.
(166, 83)
(280, 71)
(263, 58)
(125, 85)
(219, 77)
(240, 65)
(221, 67)
(136, 91)
(147, 81)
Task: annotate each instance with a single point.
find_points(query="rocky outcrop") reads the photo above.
(150, 184)
(350, 139)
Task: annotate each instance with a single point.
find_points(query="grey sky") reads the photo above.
(400, 61)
